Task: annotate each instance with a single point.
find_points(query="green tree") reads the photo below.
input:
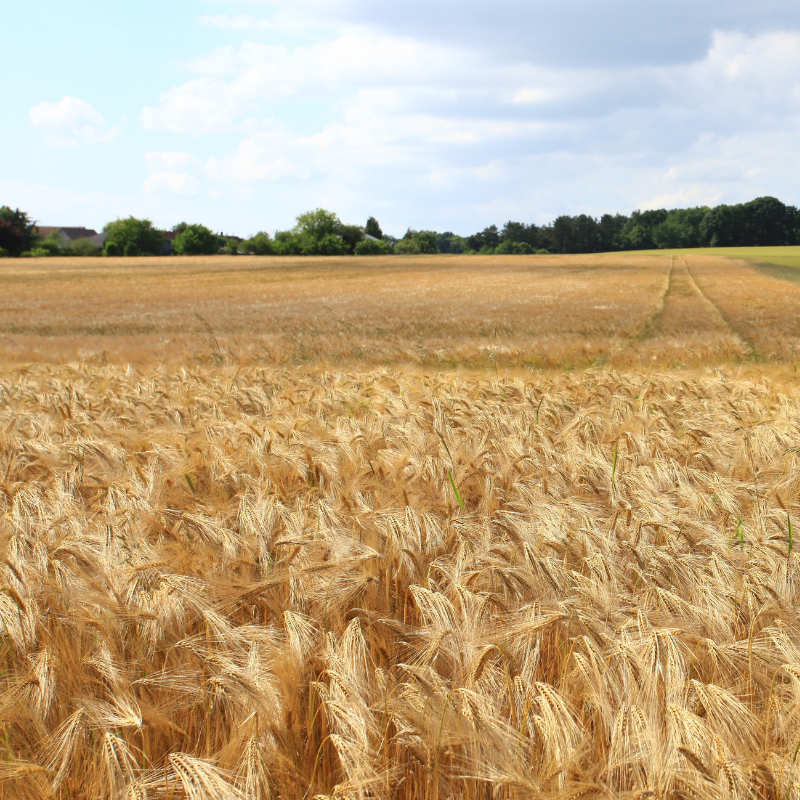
(321, 233)
(133, 237)
(762, 222)
(637, 234)
(20, 221)
(609, 229)
(351, 235)
(258, 245)
(720, 227)
(457, 244)
(80, 248)
(485, 241)
(520, 232)
(509, 248)
(768, 222)
(329, 245)
(671, 234)
(12, 240)
(316, 225)
(681, 228)
(369, 247)
(585, 234)
(196, 240)
(562, 235)
(639, 238)
(287, 243)
(420, 243)
(53, 244)
(372, 228)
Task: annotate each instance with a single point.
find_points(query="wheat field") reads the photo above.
(555, 559)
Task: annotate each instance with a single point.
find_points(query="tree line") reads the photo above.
(764, 221)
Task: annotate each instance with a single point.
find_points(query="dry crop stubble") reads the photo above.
(260, 583)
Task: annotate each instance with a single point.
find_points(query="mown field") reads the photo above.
(406, 528)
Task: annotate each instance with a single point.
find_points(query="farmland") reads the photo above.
(442, 311)
(399, 528)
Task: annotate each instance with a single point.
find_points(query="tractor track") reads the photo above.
(685, 325)
(747, 343)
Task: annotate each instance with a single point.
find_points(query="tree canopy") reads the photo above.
(372, 228)
(316, 225)
(762, 222)
(12, 240)
(258, 245)
(765, 221)
(318, 233)
(133, 237)
(195, 240)
(418, 243)
(17, 231)
(370, 247)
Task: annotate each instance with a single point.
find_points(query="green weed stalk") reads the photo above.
(614, 467)
(450, 473)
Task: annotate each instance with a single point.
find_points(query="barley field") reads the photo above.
(561, 312)
(419, 528)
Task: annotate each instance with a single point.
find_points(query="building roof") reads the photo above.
(69, 233)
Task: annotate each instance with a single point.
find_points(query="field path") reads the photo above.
(687, 327)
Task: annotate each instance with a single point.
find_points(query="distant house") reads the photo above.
(66, 234)
(169, 238)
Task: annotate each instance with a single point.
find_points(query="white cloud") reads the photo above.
(268, 155)
(769, 59)
(199, 107)
(171, 162)
(429, 80)
(696, 196)
(530, 95)
(70, 122)
(376, 120)
(261, 73)
(172, 174)
(169, 183)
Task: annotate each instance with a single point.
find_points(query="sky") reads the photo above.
(431, 114)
